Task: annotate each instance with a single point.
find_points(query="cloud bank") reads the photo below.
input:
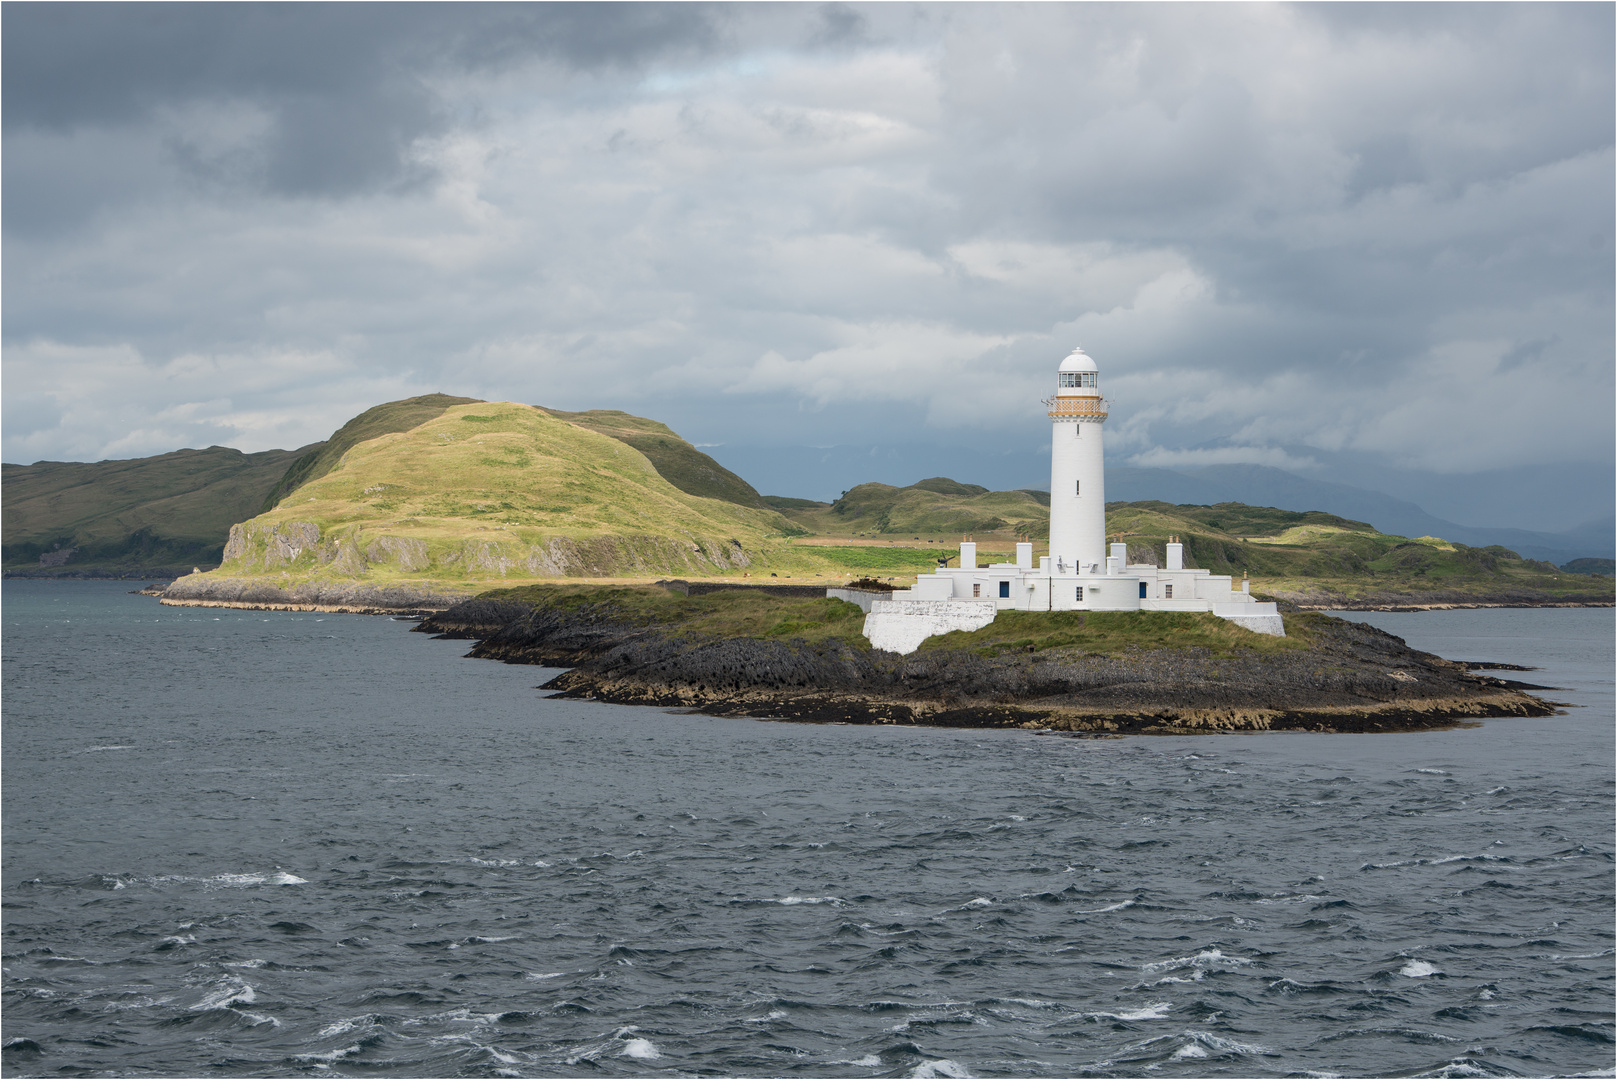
(1373, 230)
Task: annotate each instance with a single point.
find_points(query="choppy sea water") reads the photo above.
(243, 843)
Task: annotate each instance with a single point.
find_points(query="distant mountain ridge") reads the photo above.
(1260, 485)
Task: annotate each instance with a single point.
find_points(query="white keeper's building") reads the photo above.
(1081, 573)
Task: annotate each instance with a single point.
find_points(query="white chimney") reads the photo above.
(968, 555)
(1120, 552)
(1176, 555)
(1024, 556)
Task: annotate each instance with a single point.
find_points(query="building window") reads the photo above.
(1075, 379)
(1080, 596)
(976, 589)
(1004, 589)
(1167, 592)
(1077, 431)
(1077, 487)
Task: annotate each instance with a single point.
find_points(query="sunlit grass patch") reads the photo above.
(1115, 632)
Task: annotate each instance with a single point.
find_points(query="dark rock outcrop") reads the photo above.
(1353, 678)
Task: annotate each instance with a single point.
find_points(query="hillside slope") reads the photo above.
(384, 419)
(155, 516)
(680, 463)
(487, 491)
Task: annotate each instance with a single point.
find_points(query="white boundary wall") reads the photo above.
(901, 625)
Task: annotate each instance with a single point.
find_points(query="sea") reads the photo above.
(243, 843)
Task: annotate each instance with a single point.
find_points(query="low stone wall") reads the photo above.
(702, 588)
(863, 598)
(901, 625)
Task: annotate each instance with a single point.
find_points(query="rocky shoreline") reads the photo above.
(209, 591)
(1352, 678)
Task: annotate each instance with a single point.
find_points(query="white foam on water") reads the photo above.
(253, 963)
(1299, 899)
(1205, 958)
(1457, 1067)
(327, 1060)
(869, 1061)
(979, 902)
(1110, 907)
(774, 1014)
(1196, 975)
(181, 939)
(259, 1019)
(1418, 969)
(794, 900)
(478, 940)
(644, 1049)
(538, 975)
(940, 1067)
(1432, 772)
(1226, 1046)
(1435, 862)
(237, 881)
(99, 749)
(497, 862)
(1189, 1050)
(227, 994)
(1157, 1011)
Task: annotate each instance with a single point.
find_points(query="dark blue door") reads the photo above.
(1005, 589)
(1142, 590)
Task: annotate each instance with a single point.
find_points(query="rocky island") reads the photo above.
(746, 652)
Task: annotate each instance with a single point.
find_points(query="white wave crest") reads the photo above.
(940, 1067)
(644, 1049)
(793, 900)
(1156, 1011)
(1205, 958)
(226, 995)
(1418, 969)
(1110, 907)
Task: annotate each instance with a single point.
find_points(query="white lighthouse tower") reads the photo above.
(1077, 468)
(1080, 573)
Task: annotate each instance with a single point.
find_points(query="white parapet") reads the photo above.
(1259, 624)
(901, 625)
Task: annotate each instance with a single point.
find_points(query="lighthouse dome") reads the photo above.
(1078, 360)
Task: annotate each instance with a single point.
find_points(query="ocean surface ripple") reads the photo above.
(269, 844)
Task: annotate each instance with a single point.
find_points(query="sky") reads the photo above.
(1366, 241)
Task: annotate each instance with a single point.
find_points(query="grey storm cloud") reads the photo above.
(1291, 235)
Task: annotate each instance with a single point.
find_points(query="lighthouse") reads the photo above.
(1080, 573)
(1077, 468)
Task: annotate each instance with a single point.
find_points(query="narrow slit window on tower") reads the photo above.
(1077, 487)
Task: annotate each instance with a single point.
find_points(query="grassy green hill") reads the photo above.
(156, 516)
(933, 508)
(385, 419)
(676, 460)
(490, 491)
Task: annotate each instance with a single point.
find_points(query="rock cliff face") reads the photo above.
(1355, 678)
(211, 591)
